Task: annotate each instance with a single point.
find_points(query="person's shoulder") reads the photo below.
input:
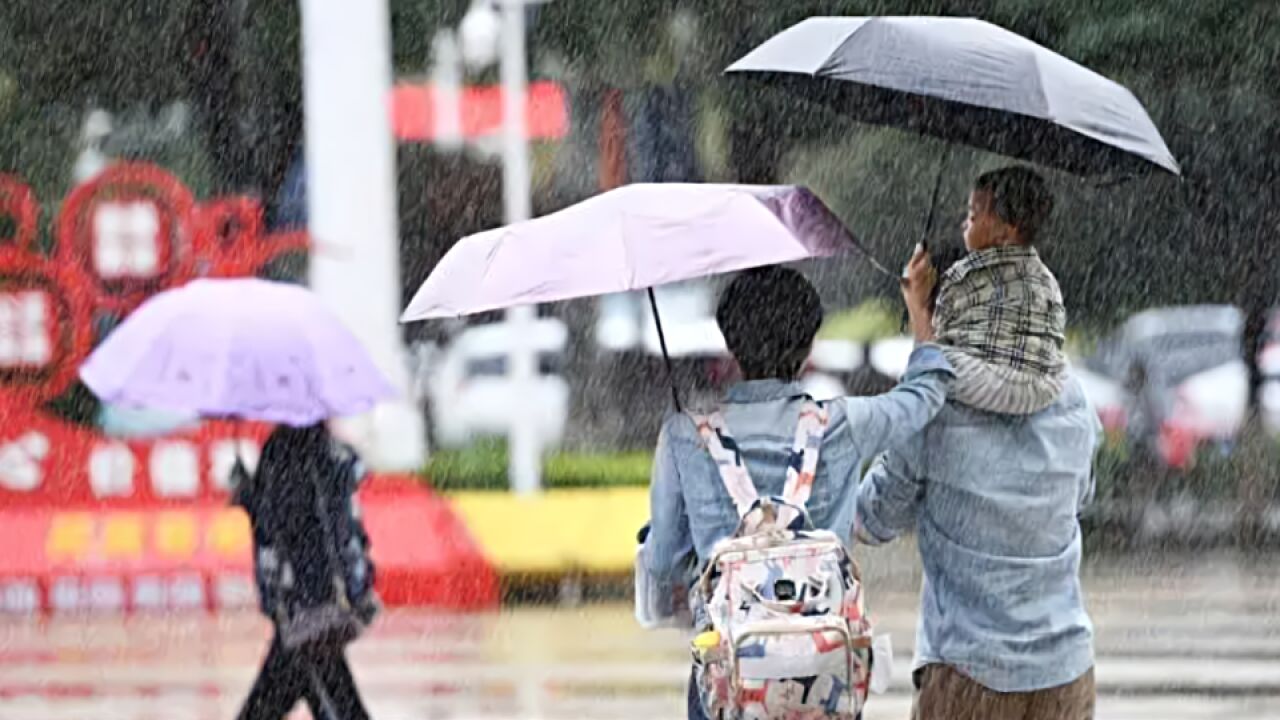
(682, 426)
(1074, 398)
(342, 450)
(1073, 405)
(345, 455)
(952, 414)
(1038, 266)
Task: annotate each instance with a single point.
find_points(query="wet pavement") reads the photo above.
(1182, 637)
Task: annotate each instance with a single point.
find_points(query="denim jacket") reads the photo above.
(994, 501)
(691, 510)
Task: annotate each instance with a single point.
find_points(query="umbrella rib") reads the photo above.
(1049, 111)
(628, 266)
(826, 65)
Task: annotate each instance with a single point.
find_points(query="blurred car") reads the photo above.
(1173, 379)
(1108, 396)
(1188, 358)
(469, 393)
(1269, 367)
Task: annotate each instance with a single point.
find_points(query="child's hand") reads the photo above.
(918, 279)
(917, 289)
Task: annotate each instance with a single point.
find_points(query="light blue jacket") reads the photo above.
(994, 501)
(691, 510)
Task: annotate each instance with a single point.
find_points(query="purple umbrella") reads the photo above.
(242, 348)
(632, 238)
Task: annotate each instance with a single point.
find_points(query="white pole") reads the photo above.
(351, 205)
(525, 455)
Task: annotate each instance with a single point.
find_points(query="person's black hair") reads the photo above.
(769, 317)
(291, 454)
(1020, 197)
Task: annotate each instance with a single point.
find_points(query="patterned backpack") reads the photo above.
(779, 604)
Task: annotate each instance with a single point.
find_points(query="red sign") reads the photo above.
(95, 522)
(198, 556)
(414, 108)
(132, 231)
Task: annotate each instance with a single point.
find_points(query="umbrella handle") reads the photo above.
(666, 356)
(933, 210)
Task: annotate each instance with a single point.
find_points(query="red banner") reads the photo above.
(199, 556)
(96, 522)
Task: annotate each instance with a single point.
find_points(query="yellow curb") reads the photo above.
(590, 530)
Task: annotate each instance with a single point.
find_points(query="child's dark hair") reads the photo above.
(769, 317)
(1019, 197)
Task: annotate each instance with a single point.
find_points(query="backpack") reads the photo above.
(343, 544)
(780, 604)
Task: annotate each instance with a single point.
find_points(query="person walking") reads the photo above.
(995, 483)
(311, 562)
(769, 318)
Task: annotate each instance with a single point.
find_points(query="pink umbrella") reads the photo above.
(632, 238)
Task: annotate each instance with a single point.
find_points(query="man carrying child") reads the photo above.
(994, 484)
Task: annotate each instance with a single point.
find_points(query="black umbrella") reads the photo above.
(967, 81)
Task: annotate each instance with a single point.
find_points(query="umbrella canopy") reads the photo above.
(242, 348)
(965, 81)
(632, 238)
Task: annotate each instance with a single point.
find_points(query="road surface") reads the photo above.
(1177, 638)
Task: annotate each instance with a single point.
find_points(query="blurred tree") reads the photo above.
(112, 52)
(1205, 70)
(414, 24)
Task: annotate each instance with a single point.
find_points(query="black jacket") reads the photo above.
(306, 522)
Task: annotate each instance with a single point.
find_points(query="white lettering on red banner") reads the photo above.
(111, 470)
(105, 593)
(186, 592)
(21, 597)
(175, 469)
(126, 240)
(235, 591)
(24, 331)
(148, 593)
(20, 462)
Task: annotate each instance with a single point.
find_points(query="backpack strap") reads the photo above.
(328, 534)
(811, 428)
(728, 458)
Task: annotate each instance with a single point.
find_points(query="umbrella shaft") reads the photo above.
(666, 356)
(933, 199)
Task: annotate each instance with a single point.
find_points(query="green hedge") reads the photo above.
(871, 321)
(483, 466)
(1212, 475)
